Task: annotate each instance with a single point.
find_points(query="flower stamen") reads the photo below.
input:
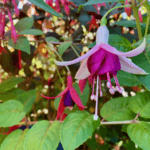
(93, 97)
(96, 106)
(101, 94)
(117, 84)
(111, 90)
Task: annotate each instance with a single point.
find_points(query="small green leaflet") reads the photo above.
(63, 47)
(21, 44)
(44, 6)
(32, 32)
(24, 24)
(91, 2)
(9, 84)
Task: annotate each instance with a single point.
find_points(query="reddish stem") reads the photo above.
(19, 59)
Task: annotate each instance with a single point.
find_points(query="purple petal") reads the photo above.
(83, 71)
(68, 100)
(132, 53)
(88, 54)
(128, 66)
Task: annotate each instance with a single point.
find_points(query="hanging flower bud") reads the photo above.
(140, 16)
(128, 10)
(16, 8)
(13, 30)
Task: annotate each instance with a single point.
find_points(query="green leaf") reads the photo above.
(2, 137)
(9, 84)
(76, 129)
(21, 44)
(117, 41)
(24, 24)
(51, 39)
(44, 6)
(27, 99)
(56, 103)
(63, 47)
(12, 94)
(85, 96)
(11, 140)
(117, 110)
(32, 32)
(127, 79)
(140, 134)
(43, 136)
(141, 104)
(120, 42)
(11, 112)
(132, 24)
(91, 2)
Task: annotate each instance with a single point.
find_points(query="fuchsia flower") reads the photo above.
(68, 98)
(102, 63)
(82, 84)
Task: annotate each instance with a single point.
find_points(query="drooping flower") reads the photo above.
(69, 97)
(128, 10)
(82, 84)
(102, 63)
(98, 6)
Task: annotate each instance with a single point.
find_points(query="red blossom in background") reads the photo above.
(16, 8)
(65, 3)
(93, 23)
(98, 6)
(128, 10)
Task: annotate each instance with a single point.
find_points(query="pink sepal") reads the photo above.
(61, 94)
(82, 84)
(61, 107)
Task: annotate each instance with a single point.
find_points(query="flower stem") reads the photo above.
(135, 12)
(147, 24)
(123, 6)
(58, 55)
(75, 51)
(63, 85)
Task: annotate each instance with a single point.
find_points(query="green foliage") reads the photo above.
(44, 6)
(77, 128)
(140, 134)
(43, 136)
(127, 79)
(32, 32)
(117, 41)
(11, 94)
(9, 84)
(141, 104)
(12, 140)
(24, 24)
(117, 110)
(63, 47)
(27, 99)
(91, 2)
(21, 44)
(11, 112)
(51, 39)
(2, 137)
